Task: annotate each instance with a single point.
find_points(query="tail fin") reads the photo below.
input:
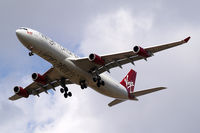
(129, 81)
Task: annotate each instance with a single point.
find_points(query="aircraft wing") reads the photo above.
(35, 88)
(119, 59)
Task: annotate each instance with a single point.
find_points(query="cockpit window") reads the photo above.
(23, 28)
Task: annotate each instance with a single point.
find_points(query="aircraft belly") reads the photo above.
(111, 88)
(75, 74)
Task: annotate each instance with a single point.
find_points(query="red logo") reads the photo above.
(129, 84)
(29, 32)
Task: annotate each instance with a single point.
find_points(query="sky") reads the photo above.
(104, 27)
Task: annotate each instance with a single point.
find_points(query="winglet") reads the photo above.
(187, 39)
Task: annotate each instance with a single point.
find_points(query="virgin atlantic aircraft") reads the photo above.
(67, 68)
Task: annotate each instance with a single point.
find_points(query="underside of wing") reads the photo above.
(52, 79)
(15, 97)
(159, 48)
(104, 63)
(111, 61)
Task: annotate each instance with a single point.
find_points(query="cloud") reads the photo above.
(113, 32)
(47, 113)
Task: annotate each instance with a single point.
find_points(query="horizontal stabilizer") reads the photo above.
(114, 102)
(144, 92)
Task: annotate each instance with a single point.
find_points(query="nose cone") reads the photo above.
(19, 33)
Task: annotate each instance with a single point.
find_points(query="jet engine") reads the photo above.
(140, 51)
(21, 91)
(39, 78)
(96, 59)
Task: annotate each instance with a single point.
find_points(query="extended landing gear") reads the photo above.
(99, 83)
(67, 94)
(83, 84)
(98, 80)
(62, 90)
(30, 54)
(65, 89)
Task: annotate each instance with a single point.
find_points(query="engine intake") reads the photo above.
(21, 91)
(96, 59)
(140, 51)
(39, 78)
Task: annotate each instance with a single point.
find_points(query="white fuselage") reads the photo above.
(59, 57)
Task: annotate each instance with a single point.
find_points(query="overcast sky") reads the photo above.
(102, 27)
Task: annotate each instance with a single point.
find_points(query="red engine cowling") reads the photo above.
(39, 78)
(140, 51)
(96, 59)
(21, 91)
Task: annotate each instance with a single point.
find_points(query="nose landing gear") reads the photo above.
(30, 54)
(31, 51)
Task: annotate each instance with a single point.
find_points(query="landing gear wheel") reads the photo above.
(66, 89)
(95, 79)
(98, 84)
(102, 83)
(30, 54)
(65, 95)
(82, 87)
(62, 90)
(69, 94)
(98, 78)
(85, 86)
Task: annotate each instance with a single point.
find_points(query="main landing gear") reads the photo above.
(98, 80)
(83, 84)
(65, 89)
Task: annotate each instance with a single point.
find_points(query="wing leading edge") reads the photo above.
(35, 88)
(119, 59)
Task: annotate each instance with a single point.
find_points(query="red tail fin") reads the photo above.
(129, 81)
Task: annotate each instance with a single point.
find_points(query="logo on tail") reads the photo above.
(129, 81)
(129, 84)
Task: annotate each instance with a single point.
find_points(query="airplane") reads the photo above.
(67, 68)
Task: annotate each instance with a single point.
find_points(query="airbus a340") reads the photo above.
(67, 68)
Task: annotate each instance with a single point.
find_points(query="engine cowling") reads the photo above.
(96, 59)
(140, 51)
(39, 78)
(21, 91)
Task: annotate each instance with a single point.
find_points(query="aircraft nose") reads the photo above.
(19, 33)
